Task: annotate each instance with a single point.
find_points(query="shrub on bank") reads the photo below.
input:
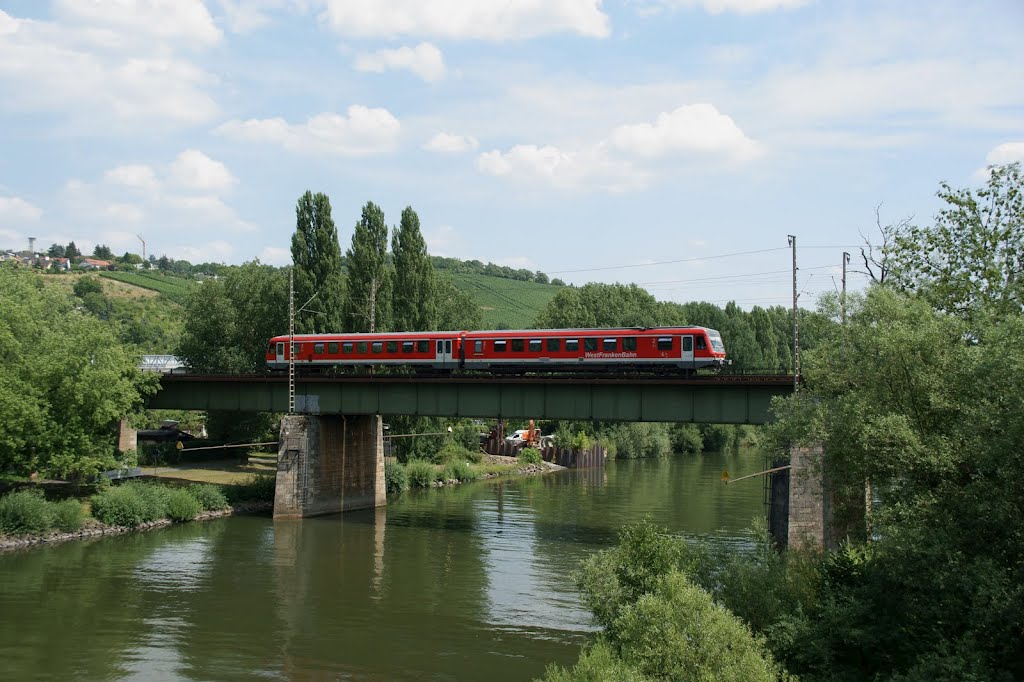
(259, 488)
(120, 506)
(181, 505)
(459, 470)
(530, 456)
(422, 473)
(396, 480)
(451, 452)
(210, 496)
(25, 511)
(68, 515)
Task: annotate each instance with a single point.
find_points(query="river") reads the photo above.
(464, 583)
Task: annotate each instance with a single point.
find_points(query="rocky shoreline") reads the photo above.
(95, 529)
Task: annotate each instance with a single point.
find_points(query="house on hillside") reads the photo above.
(94, 264)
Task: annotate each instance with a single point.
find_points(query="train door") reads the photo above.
(281, 359)
(444, 356)
(687, 351)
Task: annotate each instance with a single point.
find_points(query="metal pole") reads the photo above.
(796, 322)
(842, 297)
(291, 341)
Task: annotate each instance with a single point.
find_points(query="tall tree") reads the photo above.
(413, 300)
(972, 257)
(56, 251)
(71, 251)
(316, 254)
(368, 304)
(103, 252)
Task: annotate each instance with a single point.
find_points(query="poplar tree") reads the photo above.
(316, 254)
(413, 302)
(368, 304)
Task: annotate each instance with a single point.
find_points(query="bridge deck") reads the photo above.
(728, 399)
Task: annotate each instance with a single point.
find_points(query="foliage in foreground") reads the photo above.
(396, 480)
(25, 511)
(657, 621)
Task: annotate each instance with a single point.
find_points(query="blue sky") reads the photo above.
(570, 136)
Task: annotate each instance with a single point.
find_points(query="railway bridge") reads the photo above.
(330, 451)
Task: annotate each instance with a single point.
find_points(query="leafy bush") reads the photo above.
(396, 479)
(259, 488)
(687, 438)
(25, 511)
(459, 470)
(530, 456)
(181, 505)
(449, 452)
(422, 473)
(155, 498)
(120, 506)
(68, 515)
(466, 434)
(643, 439)
(581, 441)
(210, 496)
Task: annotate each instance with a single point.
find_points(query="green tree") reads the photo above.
(64, 383)
(71, 251)
(764, 336)
(130, 258)
(316, 254)
(454, 308)
(971, 258)
(228, 322)
(414, 304)
(56, 251)
(601, 305)
(368, 304)
(102, 252)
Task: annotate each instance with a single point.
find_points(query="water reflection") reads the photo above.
(455, 584)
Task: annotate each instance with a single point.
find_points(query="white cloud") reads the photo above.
(217, 251)
(17, 210)
(114, 71)
(244, 16)
(424, 60)
(193, 169)
(275, 255)
(723, 6)
(125, 213)
(138, 176)
(451, 144)
(506, 20)
(183, 21)
(362, 132)
(441, 241)
(1008, 152)
(588, 168)
(694, 128)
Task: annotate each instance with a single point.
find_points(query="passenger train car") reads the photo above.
(657, 349)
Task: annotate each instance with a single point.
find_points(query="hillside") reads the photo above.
(505, 303)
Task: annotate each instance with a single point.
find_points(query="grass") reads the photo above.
(506, 303)
(176, 289)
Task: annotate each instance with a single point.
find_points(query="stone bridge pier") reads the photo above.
(328, 464)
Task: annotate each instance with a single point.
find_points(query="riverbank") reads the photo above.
(93, 528)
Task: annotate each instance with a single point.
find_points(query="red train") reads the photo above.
(676, 349)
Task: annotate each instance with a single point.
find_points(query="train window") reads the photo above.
(478, 346)
(280, 349)
(572, 345)
(499, 346)
(361, 347)
(296, 349)
(664, 343)
(536, 345)
(378, 346)
(392, 346)
(407, 346)
(610, 344)
(589, 344)
(332, 347)
(687, 344)
(554, 345)
(423, 346)
(629, 343)
(448, 346)
(347, 347)
(517, 345)
(701, 344)
(440, 346)
(318, 348)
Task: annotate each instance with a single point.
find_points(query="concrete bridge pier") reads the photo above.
(820, 513)
(328, 464)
